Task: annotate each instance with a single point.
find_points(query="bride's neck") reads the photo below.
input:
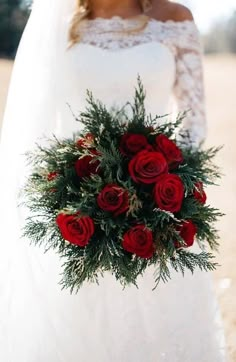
(109, 8)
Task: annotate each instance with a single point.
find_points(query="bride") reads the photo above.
(101, 45)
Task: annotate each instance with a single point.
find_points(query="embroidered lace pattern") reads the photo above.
(182, 38)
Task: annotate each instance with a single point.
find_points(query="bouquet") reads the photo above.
(122, 195)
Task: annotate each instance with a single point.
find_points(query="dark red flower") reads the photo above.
(75, 228)
(139, 240)
(94, 151)
(113, 198)
(150, 129)
(53, 190)
(147, 166)
(86, 166)
(52, 175)
(132, 143)
(169, 192)
(87, 141)
(169, 149)
(199, 194)
(187, 231)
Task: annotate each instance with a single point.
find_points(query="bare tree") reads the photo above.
(222, 36)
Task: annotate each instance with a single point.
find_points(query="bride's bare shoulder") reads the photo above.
(167, 10)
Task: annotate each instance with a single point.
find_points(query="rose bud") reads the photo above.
(94, 151)
(150, 129)
(169, 149)
(132, 143)
(87, 141)
(199, 194)
(52, 175)
(85, 168)
(187, 231)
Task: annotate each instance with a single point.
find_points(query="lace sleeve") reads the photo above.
(189, 86)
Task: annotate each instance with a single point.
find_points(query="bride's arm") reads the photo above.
(189, 84)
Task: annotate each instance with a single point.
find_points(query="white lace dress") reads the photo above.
(179, 321)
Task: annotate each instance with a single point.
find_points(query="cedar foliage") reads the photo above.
(104, 252)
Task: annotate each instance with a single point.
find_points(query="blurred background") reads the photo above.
(216, 21)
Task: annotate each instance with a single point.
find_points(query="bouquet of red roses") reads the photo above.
(122, 195)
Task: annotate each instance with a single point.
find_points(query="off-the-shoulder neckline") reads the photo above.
(136, 18)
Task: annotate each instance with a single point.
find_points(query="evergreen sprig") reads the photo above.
(45, 198)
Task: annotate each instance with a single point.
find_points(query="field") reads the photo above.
(5, 72)
(220, 80)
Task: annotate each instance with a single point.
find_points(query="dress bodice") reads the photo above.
(112, 76)
(109, 57)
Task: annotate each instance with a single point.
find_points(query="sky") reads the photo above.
(207, 11)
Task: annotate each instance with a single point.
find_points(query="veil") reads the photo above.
(37, 70)
(32, 102)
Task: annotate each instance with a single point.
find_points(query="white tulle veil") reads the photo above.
(34, 93)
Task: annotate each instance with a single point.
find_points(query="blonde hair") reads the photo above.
(83, 10)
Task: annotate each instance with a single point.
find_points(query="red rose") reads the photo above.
(52, 175)
(169, 149)
(75, 229)
(147, 166)
(131, 144)
(187, 231)
(87, 141)
(169, 192)
(84, 167)
(199, 194)
(139, 240)
(114, 199)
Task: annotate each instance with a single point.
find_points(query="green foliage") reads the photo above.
(183, 260)
(68, 193)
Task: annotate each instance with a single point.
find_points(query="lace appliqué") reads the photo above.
(182, 38)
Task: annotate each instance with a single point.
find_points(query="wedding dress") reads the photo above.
(178, 321)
